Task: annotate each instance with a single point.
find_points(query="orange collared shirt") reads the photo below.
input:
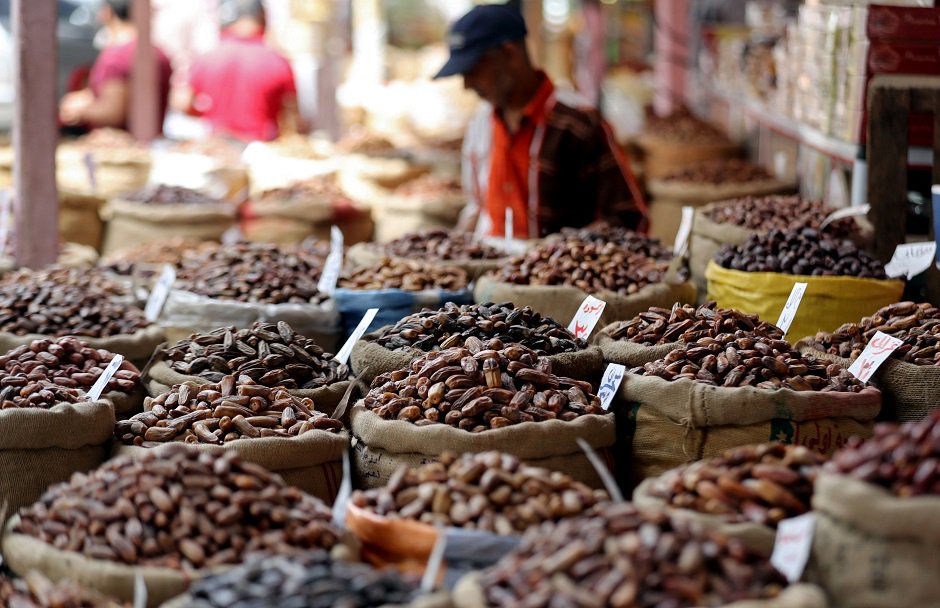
(512, 167)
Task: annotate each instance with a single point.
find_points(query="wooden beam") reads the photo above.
(144, 119)
(887, 166)
(35, 132)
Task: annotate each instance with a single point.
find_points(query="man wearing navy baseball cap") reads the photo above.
(535, 158)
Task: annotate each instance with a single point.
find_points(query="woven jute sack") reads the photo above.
(561, 302)
(117, 170)
(755, 536)
(159, 378)
(79, 218)
(131, 224)
(470, 594)
(910, 391)
(669, 423)
(312, 462)
(41, 447)
(370, 359)
(872, 549)
(136, 347)
(381, 446)
(362, 255)
(24, 554)
(630, 354)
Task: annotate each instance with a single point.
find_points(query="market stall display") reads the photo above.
(910, 379)
(444, 247)
(844, 283)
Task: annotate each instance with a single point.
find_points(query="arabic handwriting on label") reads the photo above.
(911, 259)
(613, 376)
(160, 293)
(791, 307)
(95, 393)
(343, 355)
(589, 313)
(877, 352)
(792, 546)
(681, 244)
(844, 213)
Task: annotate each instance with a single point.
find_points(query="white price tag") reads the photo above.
(844, 213)
(160, 292)
(95, 393)
(589, 313)
(878, 350)
(789, 309)
(140, 591)
(685, 229)
(343, 355)
(508, 226)
(5, 199)
(92, 172)
(435, 561)
(610, 383)
(334, 263)
(232, 235)
(792, 546)
(911, 259)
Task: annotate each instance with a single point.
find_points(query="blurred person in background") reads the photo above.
(244, 88)
(106, 101)
(531, 148)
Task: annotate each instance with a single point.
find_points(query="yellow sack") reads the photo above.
(828, 302)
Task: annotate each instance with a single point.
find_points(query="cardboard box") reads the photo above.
(903, 23)
(903, 58)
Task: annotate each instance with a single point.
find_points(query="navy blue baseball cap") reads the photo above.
(481, 29)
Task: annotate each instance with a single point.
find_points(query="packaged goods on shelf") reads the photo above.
(484, 398)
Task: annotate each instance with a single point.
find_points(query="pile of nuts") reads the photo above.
(311, 580)
(621, 556)
(918, 325)
(806, 252)
(61, 301)
(684, 128)
(36, 591)
(686, 323)
(719, 172)
(764, 483)
(764, 213)
(904, 459)
(624, 238)
(18, 391)
(407, 275)
(268, 353)
(439, 245)
(479, 387)
(171, 195)
(155, 254)
(430, 185)
(253, 272)
(178, 507)
(67, 362)
(316, 188)
(743, 359)
(223, 412)
(589, 266)
(451, 325)
(489, 491)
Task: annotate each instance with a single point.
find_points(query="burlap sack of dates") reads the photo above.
(136, 347)
(79, 219)
(363, 255)
(159, 378)
(39, 447)
(468, 593)
(381, 446)
(755, 536)
(130, 224)
(370, 359)
(561, 302)
(312, 462)
(25, 553)
(630, 354)
(667, 424)
(872, 549)
(910, 391)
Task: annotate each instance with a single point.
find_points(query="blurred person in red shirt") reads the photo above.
(106, 101)
(244, 88)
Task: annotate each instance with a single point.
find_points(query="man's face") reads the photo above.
(491, 78)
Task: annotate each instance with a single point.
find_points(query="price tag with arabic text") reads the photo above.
(792, 546)
(681, 244)
(589, 313)
(92, 169)
(343, 355)
(877, 352)
(160, 293)
(334, 263)
(791, 307)
(911, 259)
(613, 375)
(95, 393)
